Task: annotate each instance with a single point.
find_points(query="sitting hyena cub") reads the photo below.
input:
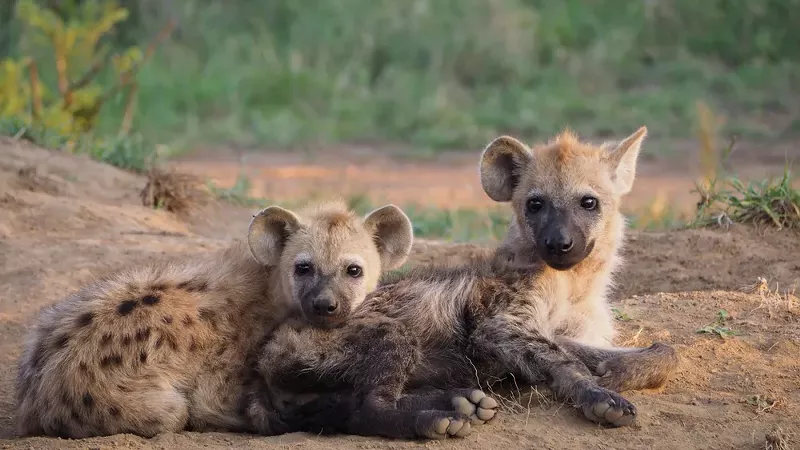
(536, 310)
(164, 348)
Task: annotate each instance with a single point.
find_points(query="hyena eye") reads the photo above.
(301, 269)
(534, 204)
(588, 203)
(354, 271)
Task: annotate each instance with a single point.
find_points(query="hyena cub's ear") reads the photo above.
(501, 164)
(392, 233)
(269, 230)
(623, 161)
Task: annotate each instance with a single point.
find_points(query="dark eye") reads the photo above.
(301, 269)
(534, 204)
(354, 271)
(588, 203)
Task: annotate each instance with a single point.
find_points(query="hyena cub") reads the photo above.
(537, 310)
(164, 348)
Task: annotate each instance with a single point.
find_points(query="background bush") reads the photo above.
(449, 73)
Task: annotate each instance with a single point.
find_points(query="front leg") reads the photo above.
(473, 403)
(510, 342)
(623, 369)
(357, 372)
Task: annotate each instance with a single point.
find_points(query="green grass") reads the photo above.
(453, 73)
(132, 153)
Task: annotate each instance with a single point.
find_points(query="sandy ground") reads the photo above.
(65, 220)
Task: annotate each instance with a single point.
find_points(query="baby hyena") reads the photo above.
(164, 348)
(537, 310)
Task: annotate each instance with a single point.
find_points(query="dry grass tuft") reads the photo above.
(176, 192)
(777, 439)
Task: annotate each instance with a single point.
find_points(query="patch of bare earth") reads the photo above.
(66, 219)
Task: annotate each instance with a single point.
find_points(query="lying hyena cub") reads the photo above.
(537, 310)
(163, 348)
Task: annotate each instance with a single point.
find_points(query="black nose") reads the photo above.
(559, 244)
(325, 306)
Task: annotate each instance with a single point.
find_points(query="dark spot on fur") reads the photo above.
(142, 334)
(123, 388)
(173, 343)
(83, 367)
(151, 300)
(61, 341)
(126, 307)
(143, 357)
(194, 286)
(207, 315)
(106, 340)
(167, 319)
(76, 417)
(85, 319)
(114, 411)
(160, 341)
(88, 400)
(160, 287)
(221, 350)
(188, 321)
(193, 345)
(111, 361)
(126, 341)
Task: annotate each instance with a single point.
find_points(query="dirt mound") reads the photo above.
(66, 219)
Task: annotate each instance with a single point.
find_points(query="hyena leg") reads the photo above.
(624, 369)
(509, 343)
(368, 357)
(473, 403)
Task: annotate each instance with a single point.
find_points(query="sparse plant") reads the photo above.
(762, 403)
(620, 315)
(238, 194)
(777, 439)
(725, 199)
(719, 327)
(173, 191)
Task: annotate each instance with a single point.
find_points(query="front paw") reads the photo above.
(479, 407)
(606, 407)
(440, 425)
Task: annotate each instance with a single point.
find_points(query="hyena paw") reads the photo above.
(475, 404)
(441, 425)
(606, 407)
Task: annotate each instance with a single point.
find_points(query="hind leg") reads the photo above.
(623, 369)
(149, 412)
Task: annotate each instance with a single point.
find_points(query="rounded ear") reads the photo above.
(501, 163)
(623, 161)
(392, 233)
(269, 230)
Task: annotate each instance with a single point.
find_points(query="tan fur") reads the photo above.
(163, 347)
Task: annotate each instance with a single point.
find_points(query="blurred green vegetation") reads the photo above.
(447, 73)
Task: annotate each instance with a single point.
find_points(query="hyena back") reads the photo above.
(536, 310)
(164, 348)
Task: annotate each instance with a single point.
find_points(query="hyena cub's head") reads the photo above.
(328, 258)
(565, 194)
